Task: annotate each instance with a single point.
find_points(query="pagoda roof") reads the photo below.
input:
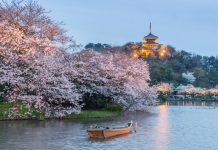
(150, 36)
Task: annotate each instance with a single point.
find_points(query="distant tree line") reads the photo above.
(171, 68)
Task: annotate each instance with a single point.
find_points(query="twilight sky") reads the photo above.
(190, 25)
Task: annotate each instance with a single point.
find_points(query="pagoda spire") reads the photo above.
(150, 27)
(150, 36)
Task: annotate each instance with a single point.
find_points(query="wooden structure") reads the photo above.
(107, 132)
(148, 48)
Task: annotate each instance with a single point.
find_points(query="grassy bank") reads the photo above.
(86, 114)
(7, 112)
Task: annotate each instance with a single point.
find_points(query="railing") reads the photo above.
(188, 100)
(191, 98)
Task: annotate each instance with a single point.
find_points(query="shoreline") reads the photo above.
(24, 113)
(102, 115)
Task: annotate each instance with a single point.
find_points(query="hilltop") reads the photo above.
(177, 67)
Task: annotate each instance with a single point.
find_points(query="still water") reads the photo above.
(165, 128)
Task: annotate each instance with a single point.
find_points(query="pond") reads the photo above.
(165, 128)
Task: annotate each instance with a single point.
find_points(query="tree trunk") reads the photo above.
(16, 100)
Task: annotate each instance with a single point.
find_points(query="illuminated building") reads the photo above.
(149, 48)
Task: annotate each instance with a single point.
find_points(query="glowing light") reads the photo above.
(162, 54)
(135, 55)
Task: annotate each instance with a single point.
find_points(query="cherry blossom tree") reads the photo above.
(164, 88)
(32, 59)
(36, 68)
(32, 20)
(51, 89)
(115, 75)
(44, 84)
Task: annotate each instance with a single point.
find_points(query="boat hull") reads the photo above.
(107, 133)
(96, 134)
(111, 133)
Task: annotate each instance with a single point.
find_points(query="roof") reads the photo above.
(180, 87)
(151, 36)
(183, 87)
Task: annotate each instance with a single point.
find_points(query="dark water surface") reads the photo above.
(166, 128)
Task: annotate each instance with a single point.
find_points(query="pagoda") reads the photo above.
(149, 47)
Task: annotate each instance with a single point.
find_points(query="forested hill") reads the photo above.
(172, 69)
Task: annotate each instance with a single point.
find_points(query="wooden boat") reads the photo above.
(107, 132)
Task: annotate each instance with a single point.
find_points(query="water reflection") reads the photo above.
(162, 129)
